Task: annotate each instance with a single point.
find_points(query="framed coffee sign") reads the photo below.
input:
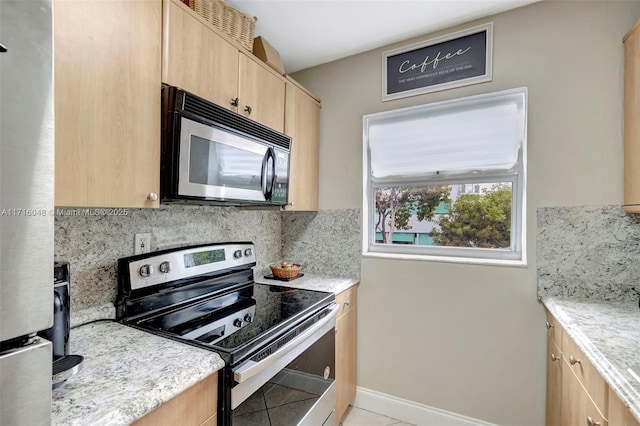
(454, 60)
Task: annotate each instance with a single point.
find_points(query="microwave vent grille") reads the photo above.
(230, 119)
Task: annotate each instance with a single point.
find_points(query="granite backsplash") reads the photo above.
(327, 242)
(589, 253)
(93, 243)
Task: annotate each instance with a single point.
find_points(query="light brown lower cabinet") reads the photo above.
(195, 406)
(554, 384)
(346, 330)
(577, 406)
(577, 395)
(619, 414)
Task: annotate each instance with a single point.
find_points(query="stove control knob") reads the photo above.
(248, 252)
(237, 254)
(248, 318)
(145, 270)
(165, 267)
(237, 322)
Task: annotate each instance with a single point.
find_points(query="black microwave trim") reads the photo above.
(217, 114)
(177, 103)
(186, 103)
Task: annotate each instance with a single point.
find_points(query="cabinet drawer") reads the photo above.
(347, 300)
(554, 330)
(586, 373)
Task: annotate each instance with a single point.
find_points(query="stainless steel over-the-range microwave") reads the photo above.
(211, 155)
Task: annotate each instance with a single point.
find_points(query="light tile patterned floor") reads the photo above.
(273, 404)
(359, 417)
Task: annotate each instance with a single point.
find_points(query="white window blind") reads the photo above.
(469, 136)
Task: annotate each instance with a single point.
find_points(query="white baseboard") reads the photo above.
(409, 411)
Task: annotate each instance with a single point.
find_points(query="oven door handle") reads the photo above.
(283, 356)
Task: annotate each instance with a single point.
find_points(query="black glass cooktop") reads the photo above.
(275, 305)
(277, 309)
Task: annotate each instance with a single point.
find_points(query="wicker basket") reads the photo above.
(227, 19)
(290, 272)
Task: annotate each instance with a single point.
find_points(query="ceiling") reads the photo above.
(313, 32)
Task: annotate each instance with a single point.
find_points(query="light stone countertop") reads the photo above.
(310, 282)
(126, 374)
(609, 335)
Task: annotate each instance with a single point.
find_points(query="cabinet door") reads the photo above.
(346, 327)
(261, 94)
(631, 125)
(195, 406)
(619, 414)
(211, 421)
(554, 384)
(302, 123)
(107, 102)
(577, 407)
(196, 59)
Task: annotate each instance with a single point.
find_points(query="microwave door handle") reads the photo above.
(263, 174)
(267, 191)
(273, 172)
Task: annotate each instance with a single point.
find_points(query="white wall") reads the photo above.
(471, 339)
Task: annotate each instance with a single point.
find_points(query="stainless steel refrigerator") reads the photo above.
(26, 211)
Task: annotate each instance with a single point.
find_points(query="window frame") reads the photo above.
(514, 256)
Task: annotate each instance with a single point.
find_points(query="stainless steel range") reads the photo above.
(277, 342)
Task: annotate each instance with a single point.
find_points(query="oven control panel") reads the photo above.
(171, 265)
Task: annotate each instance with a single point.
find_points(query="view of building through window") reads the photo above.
(476, 215)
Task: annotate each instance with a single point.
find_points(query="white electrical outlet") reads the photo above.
(142, 243)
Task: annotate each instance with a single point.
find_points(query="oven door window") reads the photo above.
(218, 164)
(303, 393)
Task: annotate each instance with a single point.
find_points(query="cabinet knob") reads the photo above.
(554, 357)
(347, 302)
(152, 196)
(591, 422)
(574, 361)
(234, 102)
(549, 325)
(247, 109)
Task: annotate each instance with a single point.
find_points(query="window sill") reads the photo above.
(447, 259)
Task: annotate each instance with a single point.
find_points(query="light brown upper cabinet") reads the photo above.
(631, 124)
(261, 94)
(200, 60)
(107, 102)
(196, 59)
(302, 124)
